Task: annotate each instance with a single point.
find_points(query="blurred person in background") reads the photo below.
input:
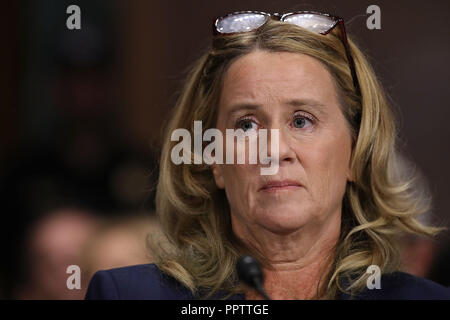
(440, 269)
(418, 253)
(119, 242)
(74, 147)
(53, 243)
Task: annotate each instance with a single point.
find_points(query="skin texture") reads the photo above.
(295, 227)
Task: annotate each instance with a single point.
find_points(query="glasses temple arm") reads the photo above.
(349, 58)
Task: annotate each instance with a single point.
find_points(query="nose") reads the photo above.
(286, 153)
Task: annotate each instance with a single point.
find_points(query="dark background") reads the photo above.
(82, 111)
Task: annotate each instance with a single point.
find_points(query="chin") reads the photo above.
(283, 220)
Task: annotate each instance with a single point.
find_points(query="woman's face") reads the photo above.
(295, 94)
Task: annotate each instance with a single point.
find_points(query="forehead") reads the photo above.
(263, 74)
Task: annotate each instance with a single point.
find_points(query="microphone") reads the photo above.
(250, 272)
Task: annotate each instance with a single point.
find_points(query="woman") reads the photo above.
(334, 207)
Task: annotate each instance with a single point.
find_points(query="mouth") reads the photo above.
(281, 185)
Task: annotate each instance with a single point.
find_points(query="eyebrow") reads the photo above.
(304, 102)
(293, 102)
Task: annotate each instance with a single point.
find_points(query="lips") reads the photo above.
(280, 185)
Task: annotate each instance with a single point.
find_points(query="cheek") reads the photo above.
(238, 176)
(327, 166)
(239, 182)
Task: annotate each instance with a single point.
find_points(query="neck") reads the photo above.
(296, 263)
(298, 283)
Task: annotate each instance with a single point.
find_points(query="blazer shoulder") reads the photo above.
(138, 282)
(405, 286)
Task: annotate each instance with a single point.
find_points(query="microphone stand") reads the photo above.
(249, 271)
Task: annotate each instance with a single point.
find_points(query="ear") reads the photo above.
(350, 175)
(218, 176)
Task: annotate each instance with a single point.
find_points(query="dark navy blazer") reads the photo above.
(146, 281)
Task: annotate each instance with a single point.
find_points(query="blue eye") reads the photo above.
(300, 122)
(247, 124)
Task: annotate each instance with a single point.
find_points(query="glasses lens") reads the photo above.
(310, 21)
(240, 22)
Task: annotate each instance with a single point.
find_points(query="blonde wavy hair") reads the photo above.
(379, 205)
